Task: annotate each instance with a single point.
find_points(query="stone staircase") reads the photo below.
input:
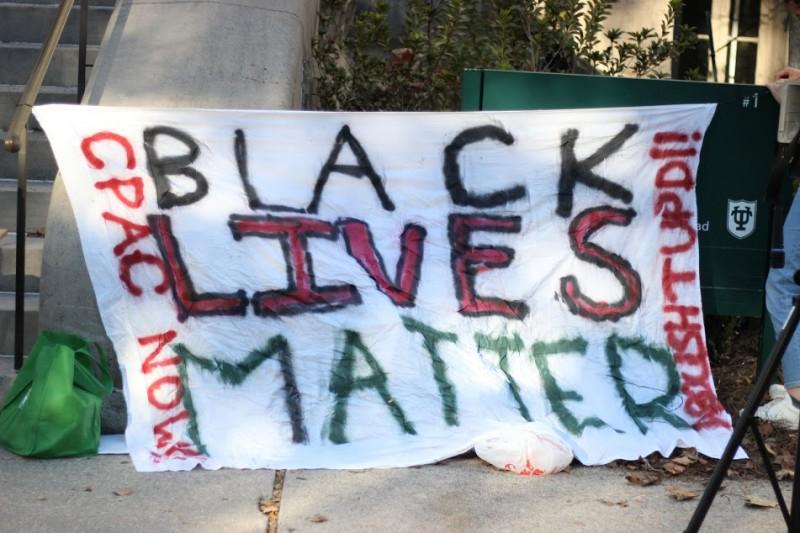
(24, 24)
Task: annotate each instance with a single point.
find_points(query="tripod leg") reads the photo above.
(795, 520)
(773, 479)
(762, 383)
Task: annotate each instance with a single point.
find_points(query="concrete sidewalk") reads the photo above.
(104, 493)
(468, 495)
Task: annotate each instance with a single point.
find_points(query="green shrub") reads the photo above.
(359, 65)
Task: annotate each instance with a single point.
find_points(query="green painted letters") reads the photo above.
(555, 394)
(191, 426)
(501, 346)
(343, 383)
(235, 373)
(430, 340)
(657, 407)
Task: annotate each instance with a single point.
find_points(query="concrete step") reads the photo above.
(8, 283)
(10, 94)
(38, 201)
(7, 374)
(41, 164)
(20, 58)
(7, 321)
(31, 23)
(34, 247)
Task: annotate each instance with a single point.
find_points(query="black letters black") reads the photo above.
(452, 171)
(573, 171)
(161, 167)
(363, 168)
(240, 151)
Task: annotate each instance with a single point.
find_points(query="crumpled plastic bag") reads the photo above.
(531, 449)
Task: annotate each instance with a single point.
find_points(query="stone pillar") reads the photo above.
(243, 54)
(794, 41)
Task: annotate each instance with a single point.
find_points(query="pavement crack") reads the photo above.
(272, 507)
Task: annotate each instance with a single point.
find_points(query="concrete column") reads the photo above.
(244, 54)
(773, 50)
(794, 41)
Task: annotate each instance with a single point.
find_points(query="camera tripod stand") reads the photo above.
(786, 161)
(747, 420)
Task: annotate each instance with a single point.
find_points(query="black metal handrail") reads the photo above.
(16, 141)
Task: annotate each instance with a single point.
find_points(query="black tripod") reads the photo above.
(786, 159)
(746, 421)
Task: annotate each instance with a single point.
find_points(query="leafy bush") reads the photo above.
(359, 65)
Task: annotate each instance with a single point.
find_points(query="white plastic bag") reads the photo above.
(531, 449)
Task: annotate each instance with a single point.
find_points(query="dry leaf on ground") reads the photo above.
(770, 449)
(786, 460)
(123, 492)
(682, 494)
(673, 468)
(267, 506)
(317, 519)
(643, 479)
(757, 501)
(784, 474)
(684, 460)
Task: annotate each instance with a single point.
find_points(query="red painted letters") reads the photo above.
(683, 324)
(583, 226)
(359, 244)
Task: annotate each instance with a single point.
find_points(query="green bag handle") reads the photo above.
(84, 376)
(26, 373)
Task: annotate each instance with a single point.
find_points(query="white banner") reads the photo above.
(350, 290)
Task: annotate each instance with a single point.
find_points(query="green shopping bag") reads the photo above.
(53, 407)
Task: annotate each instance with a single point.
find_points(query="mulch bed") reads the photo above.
(733, 348)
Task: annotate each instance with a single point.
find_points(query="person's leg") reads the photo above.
(781, 290)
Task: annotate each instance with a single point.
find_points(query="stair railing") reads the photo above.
(16, 142)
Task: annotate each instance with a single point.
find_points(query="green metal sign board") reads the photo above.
(734, 165)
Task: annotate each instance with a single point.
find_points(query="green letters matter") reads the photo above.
(343, 383)
(557, 396)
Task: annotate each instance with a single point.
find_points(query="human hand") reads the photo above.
(781, 77)
(788, 73)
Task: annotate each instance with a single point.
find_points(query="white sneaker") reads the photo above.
(780, 412)
(777, 391)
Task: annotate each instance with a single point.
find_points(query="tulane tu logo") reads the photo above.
(741, 218)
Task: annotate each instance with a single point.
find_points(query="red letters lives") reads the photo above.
(188, 301)
(467, 261)
(583, 226)
(360, 245)
(302, 294)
